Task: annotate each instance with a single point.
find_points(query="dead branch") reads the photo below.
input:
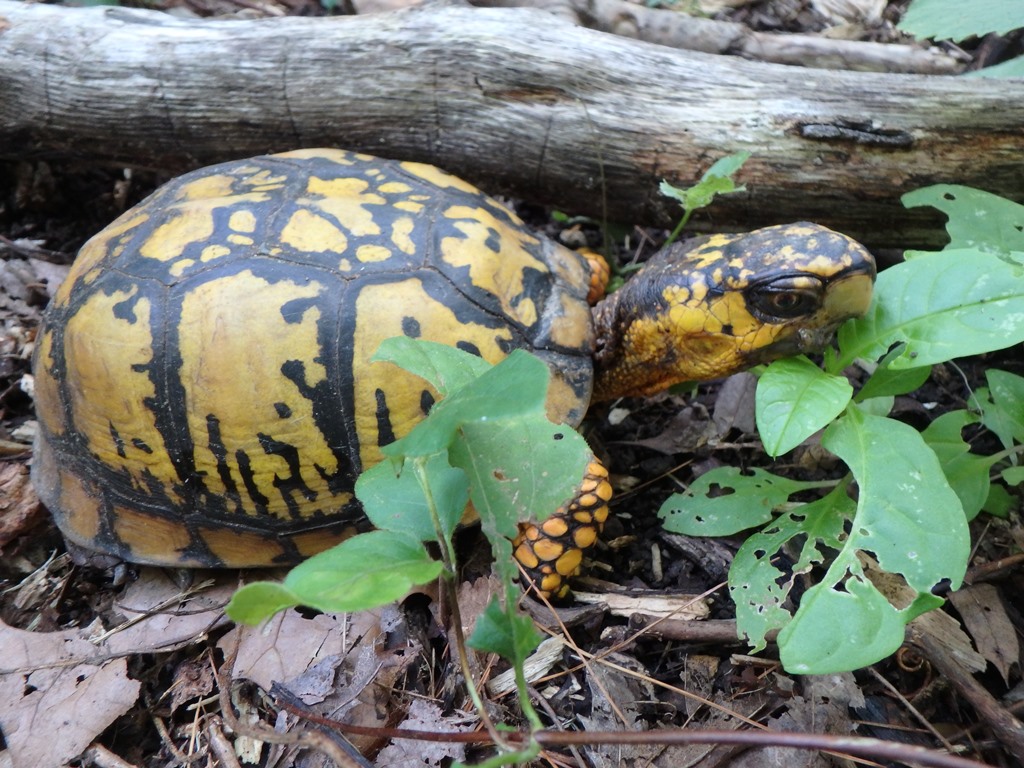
(513, 99)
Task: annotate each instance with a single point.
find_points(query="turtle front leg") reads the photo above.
(552, 552)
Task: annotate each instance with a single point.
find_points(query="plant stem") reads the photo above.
(448, 584)
(679, 227)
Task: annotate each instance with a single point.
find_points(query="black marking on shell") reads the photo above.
(411, 327)
(467, 346)
(249, 481)
(385, 432)
(139, 443)
(293, 483)
(220, 453)
(118, 440)
(426, 401)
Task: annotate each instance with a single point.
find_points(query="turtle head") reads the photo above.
(712, 307)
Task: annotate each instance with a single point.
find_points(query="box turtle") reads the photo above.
(202, 377)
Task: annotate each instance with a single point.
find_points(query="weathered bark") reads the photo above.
(512, 99)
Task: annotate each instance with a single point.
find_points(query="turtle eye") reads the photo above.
(786, 298)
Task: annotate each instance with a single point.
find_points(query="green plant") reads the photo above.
(946, 19)
(717, 180)
(915, 491)
(487, 440)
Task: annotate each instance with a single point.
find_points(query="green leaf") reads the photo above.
(886, 382)
(967, 473)
(794, 400)
(521, 468)
(977, 219)
(717, 180)
(364, 572)
(748, 500)
(258, 601)
(758, 587)
(1014, 68)
(725, 167)
(511, 637)
(517, 385)
(950, 304)
(999, 501)
(1013, 475)
(907, 515)
(1004, 414)
(395, 502)
(836, 631)
(953, 20)
(444, 367)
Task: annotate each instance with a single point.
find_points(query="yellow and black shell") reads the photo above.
(203, 383)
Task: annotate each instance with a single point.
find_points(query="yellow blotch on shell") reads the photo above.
(372, 253)
(242, 221)
(439, 178)
(338, 156)
(401, 231)
(394, 188)
(264, 180)
(47, 391)
(380, 311)
(347, 200)
(501, 273)
(107, 356)
(179, 267)
(209, 187)
(409, 206)
(192, 221)
(309, 232)
(212, 252)
(238, 380)
(99, 248)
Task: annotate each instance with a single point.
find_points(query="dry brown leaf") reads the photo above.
(160, 615)
(689, 430)
(618, 699)
(734, 404)
(47, 690)
(19, 506)
(983, 613)
(426, 716)
(474, 597)
(287, 645)
(76, 682)
(193, 679)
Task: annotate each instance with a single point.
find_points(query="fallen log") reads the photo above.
(516, 100)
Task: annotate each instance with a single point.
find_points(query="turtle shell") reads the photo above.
(203, 378)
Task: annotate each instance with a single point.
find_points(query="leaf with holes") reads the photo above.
(724, 501)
